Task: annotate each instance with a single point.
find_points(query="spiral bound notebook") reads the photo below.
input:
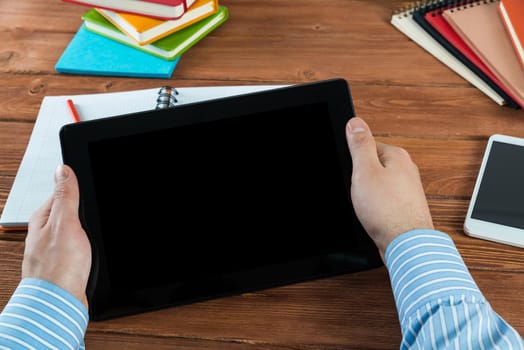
(448, 34)
(403, 20)
(429, 17)
(482, 29)
(33, 183)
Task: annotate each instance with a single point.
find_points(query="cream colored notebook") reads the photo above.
(481, 27)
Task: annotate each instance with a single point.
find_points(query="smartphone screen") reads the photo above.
(500, 197)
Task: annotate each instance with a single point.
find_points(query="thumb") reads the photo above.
(362, 145)
(66, 196)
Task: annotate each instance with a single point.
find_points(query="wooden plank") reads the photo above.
(253, 17)
(11, 262)
(37, 52)
(21, 95)
(296, 35)
(102, 341)
(431, 112)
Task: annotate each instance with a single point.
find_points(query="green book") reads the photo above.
(169, 47)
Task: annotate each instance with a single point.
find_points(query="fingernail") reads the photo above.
(61, 173)
(356, 125)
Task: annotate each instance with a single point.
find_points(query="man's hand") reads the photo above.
(57, 249)
(386, 189)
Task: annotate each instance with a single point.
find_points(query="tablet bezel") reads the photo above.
(75, 138)
(485, 229)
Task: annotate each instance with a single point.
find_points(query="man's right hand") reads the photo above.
(386, 189)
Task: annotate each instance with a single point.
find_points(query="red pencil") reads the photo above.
(72, 108)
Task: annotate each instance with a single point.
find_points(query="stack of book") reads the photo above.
(481, 40)
(138, 37)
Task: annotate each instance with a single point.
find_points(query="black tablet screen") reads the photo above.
(237, 193)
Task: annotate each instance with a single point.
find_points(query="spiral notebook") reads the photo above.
(429, 17)
(403, 20)
(448, 35)
(482, 29)
(33, 183)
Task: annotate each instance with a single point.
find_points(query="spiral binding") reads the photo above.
(429, 5)
(465, 4)
(166, 97)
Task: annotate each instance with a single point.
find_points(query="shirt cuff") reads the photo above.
(45, 315)
(425, 265)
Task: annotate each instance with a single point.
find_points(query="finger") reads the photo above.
(66, 196)
(361, 143)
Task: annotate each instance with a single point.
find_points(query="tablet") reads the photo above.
(217, 198)
(496, 209)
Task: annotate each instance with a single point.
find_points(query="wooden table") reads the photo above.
(408, 97)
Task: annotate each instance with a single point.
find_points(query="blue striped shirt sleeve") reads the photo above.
(41, 315)
(438, 302)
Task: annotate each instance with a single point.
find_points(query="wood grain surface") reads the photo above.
(408, 97)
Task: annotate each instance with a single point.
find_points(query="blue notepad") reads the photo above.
(92, 54)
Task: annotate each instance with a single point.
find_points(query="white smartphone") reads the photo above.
(496, 209)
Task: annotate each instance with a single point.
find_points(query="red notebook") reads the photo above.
(442, 26)
(512, 13)
(163, 9)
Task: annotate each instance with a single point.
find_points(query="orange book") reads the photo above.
(512, 12)
(145, 30)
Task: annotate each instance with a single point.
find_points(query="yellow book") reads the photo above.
(145, 30)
